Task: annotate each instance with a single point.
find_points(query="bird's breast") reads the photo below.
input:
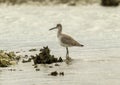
(61, 43)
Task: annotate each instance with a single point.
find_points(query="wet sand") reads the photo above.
(79, 72)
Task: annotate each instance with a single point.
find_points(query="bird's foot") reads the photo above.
(68, 59)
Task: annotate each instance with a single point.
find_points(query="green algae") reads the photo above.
(7, 58)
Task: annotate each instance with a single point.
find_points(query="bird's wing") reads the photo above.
(69, 40)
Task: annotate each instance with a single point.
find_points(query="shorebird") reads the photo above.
(66, 40)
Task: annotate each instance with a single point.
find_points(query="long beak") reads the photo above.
(53, 28)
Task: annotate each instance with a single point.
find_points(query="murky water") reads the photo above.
(26, 27)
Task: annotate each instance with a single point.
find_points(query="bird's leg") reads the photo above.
(67, 54)
(68, 59)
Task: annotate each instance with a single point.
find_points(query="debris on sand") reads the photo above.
(26, 61)
(37, 69)
(61, 73)
(60, 59)
(11, 69)
(34, 49)
(7, 59)
(110, 3)
(18, 52)
(18, 58)
(44, 57)
(55, 73)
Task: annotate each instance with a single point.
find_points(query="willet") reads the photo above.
(66, 40)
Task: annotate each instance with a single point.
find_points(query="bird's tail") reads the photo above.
(81, 45)
(78, 44)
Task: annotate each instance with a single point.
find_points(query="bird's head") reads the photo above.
(57, 27)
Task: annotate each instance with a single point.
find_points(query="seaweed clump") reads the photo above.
(44, 57)
(33, 50)
(110, 2)
(55, 73)
(7, 59)
(26, 61)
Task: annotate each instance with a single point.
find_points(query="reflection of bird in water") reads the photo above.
(66, 40)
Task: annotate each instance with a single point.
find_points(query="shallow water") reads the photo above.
(26, 27)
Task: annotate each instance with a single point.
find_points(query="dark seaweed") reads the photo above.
(44, 57)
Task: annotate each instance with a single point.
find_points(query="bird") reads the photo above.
(65, 40)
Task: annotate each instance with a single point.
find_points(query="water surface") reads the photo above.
(26, 27)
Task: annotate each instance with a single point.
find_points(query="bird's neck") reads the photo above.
(59, 32)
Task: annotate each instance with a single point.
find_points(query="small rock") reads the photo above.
(55, 73)
(37, 69)
(60, 59)
(11, 69)
(61, 73)
(33, 50)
